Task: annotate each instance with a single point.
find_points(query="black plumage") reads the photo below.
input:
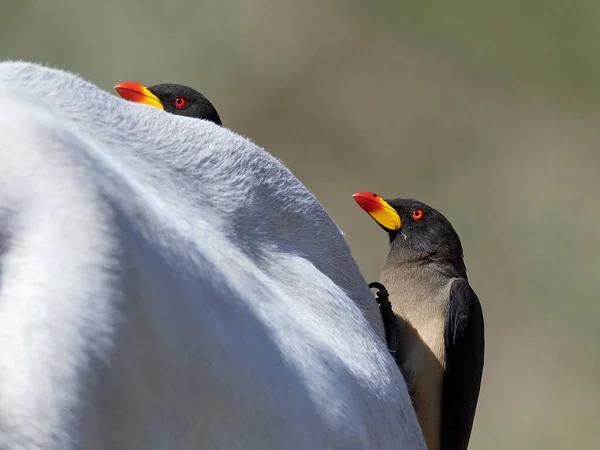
(464, 348)
(173, 98)
(185, 101)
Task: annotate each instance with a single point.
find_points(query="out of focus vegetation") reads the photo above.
(552, 45)
(488, 111)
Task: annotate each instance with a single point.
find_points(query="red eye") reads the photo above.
(417, 214)
(179, 102)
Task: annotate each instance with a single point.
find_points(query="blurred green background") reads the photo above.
(486, 110)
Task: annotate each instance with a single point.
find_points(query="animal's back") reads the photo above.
(165, 283)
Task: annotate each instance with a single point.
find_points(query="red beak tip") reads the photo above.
(128, 85)
(368, 201)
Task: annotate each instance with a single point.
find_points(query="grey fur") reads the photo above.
(165, 283)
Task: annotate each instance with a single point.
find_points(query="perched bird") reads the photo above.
(441, 335)
(173, 98)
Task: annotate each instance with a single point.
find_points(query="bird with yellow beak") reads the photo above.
(173, 98)
(440, 341)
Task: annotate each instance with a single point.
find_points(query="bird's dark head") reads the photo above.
(173, 98)
(416, 230)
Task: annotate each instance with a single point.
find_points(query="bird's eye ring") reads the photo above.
(417, 214)
(179, 102)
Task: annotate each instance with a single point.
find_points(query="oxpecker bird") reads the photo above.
(173, 98)
(440, 343)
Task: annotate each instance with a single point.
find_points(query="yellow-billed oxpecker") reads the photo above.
(440, 340)
(173, 98)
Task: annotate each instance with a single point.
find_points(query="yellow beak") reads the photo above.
(379, 210)
(136, 92)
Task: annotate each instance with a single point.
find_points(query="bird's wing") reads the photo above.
(464, 346)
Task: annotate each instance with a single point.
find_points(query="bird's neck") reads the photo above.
(418, 288)
(406, 261)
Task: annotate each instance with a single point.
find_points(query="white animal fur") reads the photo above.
(166, 284)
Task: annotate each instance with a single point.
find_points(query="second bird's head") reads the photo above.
(414, 228)
(173, 98)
